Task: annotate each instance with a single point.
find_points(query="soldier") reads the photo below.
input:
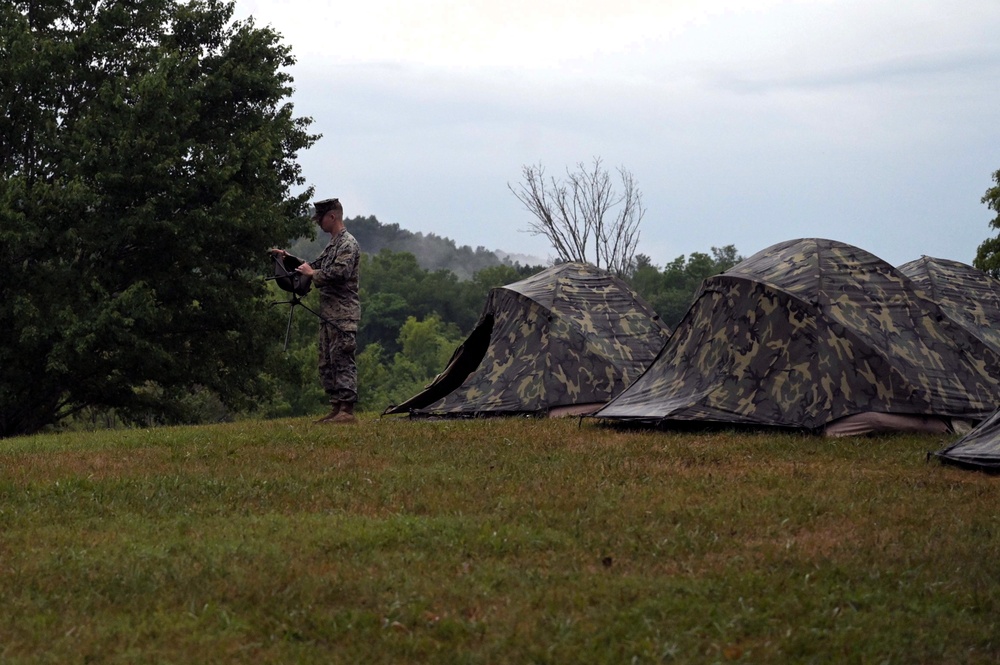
(335, 274)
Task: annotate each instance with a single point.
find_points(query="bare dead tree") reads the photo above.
(584, 217)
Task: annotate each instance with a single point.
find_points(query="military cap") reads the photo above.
(325, 206)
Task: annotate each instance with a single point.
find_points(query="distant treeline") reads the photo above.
(432, 252)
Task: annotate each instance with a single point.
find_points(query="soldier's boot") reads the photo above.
(334, 411)
(346, 415)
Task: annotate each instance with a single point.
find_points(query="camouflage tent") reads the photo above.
(967, 296)
(806, 333)
(567, 338)
(979, 449)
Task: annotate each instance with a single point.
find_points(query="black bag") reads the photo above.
(286, 277)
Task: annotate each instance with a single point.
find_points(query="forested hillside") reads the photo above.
(432, 252)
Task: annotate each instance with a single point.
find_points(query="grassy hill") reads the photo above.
(491, 542)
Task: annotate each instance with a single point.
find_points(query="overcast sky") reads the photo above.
(872, 122)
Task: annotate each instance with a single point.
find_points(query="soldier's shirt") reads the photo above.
(336, 277)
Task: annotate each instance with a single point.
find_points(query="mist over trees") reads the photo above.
(431, 251)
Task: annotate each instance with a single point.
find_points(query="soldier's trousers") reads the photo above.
(338, 373)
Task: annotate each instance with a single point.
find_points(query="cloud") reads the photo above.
(949, 69)
(743, 122)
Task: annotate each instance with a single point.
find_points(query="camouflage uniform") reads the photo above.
(336, 277)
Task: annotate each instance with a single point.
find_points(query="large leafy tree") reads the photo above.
(988, 255)
(148, 156)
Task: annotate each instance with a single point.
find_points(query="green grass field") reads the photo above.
(510, 541)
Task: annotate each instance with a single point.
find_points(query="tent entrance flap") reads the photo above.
(463, 362)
